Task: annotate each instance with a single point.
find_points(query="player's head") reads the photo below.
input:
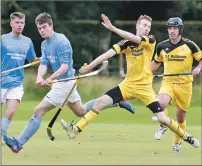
(44, 24)
(143, 25)
(175, 27)
(17, 22)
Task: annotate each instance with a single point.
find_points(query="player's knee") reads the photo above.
(38, 111)
(102, 102)
(99, 103)
(10, 112)
(155, 107)
(164, 101)
(163, 105)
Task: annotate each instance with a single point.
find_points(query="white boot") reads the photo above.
(69, 128)
(177, 147)
(160, 132)
(193, 141)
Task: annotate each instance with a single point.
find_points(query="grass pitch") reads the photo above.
(117, 144)
(116, 138)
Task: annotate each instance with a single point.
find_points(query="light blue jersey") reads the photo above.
(58, 51)
(14, 51)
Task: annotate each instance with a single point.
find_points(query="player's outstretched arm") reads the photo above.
(97, 61)
(124, 34)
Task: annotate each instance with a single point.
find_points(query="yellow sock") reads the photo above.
(176, 137)
(177, 129)
(87, 118)
(166, 111)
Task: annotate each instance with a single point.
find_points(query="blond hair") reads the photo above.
(17, 14)
(144, 17)
(44, 18)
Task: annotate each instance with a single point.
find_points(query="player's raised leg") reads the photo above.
(112, 96)
(122, 104)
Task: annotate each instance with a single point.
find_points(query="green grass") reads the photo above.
(113, 115)
(116, 137)
(103, 143)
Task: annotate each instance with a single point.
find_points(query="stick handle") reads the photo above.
(176, 74)
(21, 67)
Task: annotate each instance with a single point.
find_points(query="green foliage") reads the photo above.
(80, 21)
(94, 87)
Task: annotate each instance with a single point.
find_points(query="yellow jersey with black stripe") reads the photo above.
(177, 58)
(138, 59)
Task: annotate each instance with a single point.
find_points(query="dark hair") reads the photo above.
(44, 18)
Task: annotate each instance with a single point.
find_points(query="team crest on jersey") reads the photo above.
(52, 58)
(137, 51)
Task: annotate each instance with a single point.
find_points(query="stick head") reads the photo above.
(52, 138)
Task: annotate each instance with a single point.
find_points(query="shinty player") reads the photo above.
(137, 83)
(56, 52)
(177, 54)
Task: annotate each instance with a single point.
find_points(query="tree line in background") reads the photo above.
(80, 22)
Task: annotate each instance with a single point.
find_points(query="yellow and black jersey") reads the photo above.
(138, 58)
(177, 58)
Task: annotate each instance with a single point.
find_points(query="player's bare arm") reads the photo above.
(62, 70)
(97, 61)
(42, 70)
(197, 69)
(155, 66)
(122, 33)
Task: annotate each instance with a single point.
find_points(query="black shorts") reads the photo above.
(115, 94)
